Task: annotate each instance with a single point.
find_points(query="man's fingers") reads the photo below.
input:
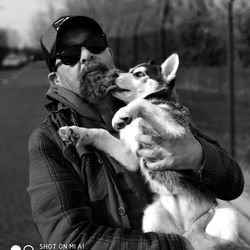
(202, 222)
(156, 165)
(145, 139)
(150, 154)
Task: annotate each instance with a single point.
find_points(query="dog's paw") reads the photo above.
(121, 119)
(69, 134)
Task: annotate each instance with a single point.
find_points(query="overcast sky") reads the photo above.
(17, 15)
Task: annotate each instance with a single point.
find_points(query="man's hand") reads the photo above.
(164, 153)
(197, 239)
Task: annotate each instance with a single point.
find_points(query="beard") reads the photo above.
(94, 80)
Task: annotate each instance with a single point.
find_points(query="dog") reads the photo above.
(152, 106)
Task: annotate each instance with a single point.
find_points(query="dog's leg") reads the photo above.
(160, 117)
(102, 140)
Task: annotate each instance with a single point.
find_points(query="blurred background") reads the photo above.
(212, 38)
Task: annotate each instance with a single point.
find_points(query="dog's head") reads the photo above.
(145, 79)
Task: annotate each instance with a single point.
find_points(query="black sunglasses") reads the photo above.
(71, 55)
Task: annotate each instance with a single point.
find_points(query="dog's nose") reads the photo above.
(115, 74)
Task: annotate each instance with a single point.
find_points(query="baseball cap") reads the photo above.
(49, 39)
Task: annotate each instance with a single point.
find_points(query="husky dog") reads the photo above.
(152, 107)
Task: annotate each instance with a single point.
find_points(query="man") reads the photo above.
(90, 199)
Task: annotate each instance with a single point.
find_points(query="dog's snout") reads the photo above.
(117, 73)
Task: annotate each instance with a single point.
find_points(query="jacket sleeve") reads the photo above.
(220, 173)
(59, 203)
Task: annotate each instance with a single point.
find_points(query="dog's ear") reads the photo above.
(169, 68)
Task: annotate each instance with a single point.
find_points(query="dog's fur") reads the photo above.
(179, 200)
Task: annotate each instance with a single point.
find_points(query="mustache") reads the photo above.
(93, 67)
(99, 73)
(95, 79)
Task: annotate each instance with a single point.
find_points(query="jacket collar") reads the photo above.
(101, 112)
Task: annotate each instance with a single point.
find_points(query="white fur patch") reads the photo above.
(129, 133)
(224, 224)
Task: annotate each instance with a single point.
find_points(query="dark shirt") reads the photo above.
(92, 199)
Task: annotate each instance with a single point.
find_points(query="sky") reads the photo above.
(17, 15)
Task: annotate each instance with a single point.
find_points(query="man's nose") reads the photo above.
(86, 55)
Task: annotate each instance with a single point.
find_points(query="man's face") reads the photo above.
(85, 76)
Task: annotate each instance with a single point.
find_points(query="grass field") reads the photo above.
(21, 99)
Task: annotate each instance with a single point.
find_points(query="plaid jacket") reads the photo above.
(81, 201)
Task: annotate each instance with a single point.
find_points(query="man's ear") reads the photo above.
(111, 52)
(54, 79)
(112, 64)
(169, 68)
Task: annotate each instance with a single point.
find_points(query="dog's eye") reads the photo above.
(139, 74)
